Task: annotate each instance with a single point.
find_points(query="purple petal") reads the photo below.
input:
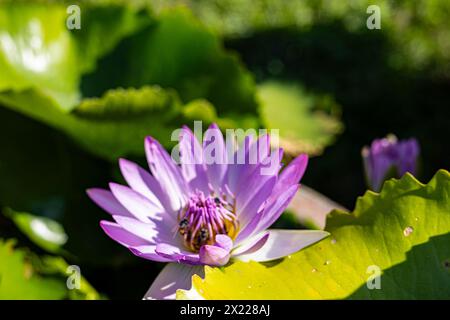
(256, 187)
(214, 149)
(273, 210)
(140, 206)
(292, 173)
(166, 173)
(251, 245)
(214, 256)
(152, 232)
(239, 167)
(174, 276)
(282, 243)
(106, 200)
(142, 181)
(257, 174)
(408, 153)
(260, 149)
(119, 234)
(387, 158)
(266, 218)
(379, 161)
(257, 190)
(249, 230)
(175, 254)
(192, 164)
(224, 242)
(271, 165)
(148, 252)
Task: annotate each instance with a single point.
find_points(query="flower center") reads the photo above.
(204, 217)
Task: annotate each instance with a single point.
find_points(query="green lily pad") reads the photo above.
(175, 52)
(19, 279)
(57, 266)
(116, 124)
(178, 52)
(306, 124)
(24, 276)
(38, 51)
(44, 232)
(403, 232)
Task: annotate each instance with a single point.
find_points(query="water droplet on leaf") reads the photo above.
(408, 231)
(447, 264)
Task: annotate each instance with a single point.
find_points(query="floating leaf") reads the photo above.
(57, 265)
(174, 51)
(123, 105)
(404, 231)
(305, 124)
(18, 279)
(23, 275)
(38, 51)
(114, 125)
(178, 52)
(44, 232)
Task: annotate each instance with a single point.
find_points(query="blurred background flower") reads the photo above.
(389, 158)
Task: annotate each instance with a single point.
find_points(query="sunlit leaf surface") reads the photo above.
(402, 232)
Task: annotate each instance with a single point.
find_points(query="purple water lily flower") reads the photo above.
(203, 213)
(388, 158)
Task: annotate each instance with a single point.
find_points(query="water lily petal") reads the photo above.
(239, 167)
(251, 155)
(106, 200)
(166, 173)
(224, 242)
(193, 167)
(259, 150)
(251, 188)
(148, 252)
(281, 243)
(176, 254)
(140, 206)
(152, 232)
(273, 210)
(251, 245)
(119, 234)
(257, 187)
(214, 255)
(215, 155)
(249, 230)
(174, 276)
(291, 174)
(143, 182)
(408, 151)
(257, 190)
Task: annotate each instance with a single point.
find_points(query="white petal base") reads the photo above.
(174, 276)
(281, 243)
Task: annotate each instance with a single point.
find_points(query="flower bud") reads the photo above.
(389, 158)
